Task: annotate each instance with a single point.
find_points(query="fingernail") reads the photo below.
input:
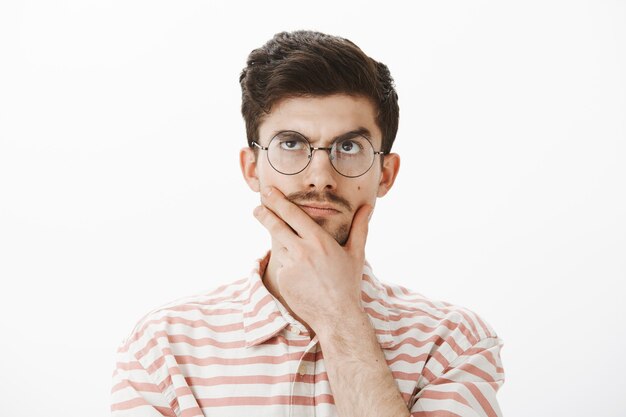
(257, 210)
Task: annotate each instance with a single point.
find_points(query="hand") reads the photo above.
(319, 279)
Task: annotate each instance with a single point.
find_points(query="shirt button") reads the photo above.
(302, 369)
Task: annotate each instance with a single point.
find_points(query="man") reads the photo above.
(312, 332)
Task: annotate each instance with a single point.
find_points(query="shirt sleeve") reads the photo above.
(467, 387)
(133, 392)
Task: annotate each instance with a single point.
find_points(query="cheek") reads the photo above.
(267, 174)
(364, 193)
(284, 183)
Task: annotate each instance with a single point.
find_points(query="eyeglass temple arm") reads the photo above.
(258, 146)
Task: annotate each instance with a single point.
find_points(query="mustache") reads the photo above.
(318, 197)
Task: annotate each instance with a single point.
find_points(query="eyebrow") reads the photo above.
(358, 131)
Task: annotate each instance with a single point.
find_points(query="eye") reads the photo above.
(292, 144)
(349, 147)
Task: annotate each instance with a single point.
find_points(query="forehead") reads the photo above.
(321, 118)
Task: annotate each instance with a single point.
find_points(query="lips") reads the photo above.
(319, 210)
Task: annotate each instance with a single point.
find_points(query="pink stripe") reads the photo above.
(188, 359)
(435, 340)
(225, 286)
(199, 342)
(474, 370)
(262, 323)
(137, 386)
(182, 391)
(254, 379)
(230, 297)
(260, 401)
(205, 311)
(408, 358)
(406, 396)
(198, 324)
(439, 395)
(129, 366)
(236, 344)
(140, 402)
(156, 364)
(251, 360)
(428, 374)
(192, 412)
(435, 413)
(419, 299)
(165, 411)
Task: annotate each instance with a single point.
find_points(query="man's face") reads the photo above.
(328, 197)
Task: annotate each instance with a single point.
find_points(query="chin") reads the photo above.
(340, 234)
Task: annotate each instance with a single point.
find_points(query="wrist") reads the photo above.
(352, 325)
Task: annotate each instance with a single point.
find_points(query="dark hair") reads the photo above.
(306, 63)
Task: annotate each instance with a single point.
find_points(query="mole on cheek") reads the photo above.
(359, 188)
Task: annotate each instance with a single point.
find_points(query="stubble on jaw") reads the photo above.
(340, 234)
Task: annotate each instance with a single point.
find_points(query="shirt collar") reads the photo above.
(264, 316)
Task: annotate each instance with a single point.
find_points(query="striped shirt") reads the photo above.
(237, 352)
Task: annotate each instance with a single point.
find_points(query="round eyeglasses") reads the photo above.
(351, 155)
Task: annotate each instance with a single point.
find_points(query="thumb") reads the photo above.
(359, 229)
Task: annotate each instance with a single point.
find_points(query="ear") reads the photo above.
(391, 166)
(247, 162)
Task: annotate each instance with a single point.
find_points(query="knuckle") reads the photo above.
(259, 213)
(269, 218)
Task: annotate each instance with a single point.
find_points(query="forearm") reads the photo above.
(361, 382)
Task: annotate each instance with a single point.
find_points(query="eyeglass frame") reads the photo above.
(321, 148)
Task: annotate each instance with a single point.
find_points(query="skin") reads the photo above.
(327, 243)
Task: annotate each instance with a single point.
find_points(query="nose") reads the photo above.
(320, 174)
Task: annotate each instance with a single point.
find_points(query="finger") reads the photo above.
(276, 226)
(358, 230)
(289, 212)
